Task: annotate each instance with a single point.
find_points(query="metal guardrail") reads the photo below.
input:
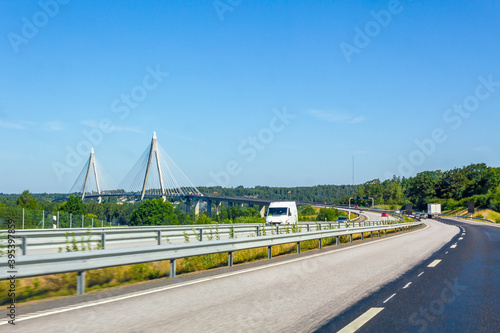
(81, 261)
(36, 239)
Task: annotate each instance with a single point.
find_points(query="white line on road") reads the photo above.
(188, 283)
(361, 320)
(420, 274)
(460, 238)
(407, 285)
(453, 246)
(446, 252)
(434, 263)
(387, 300)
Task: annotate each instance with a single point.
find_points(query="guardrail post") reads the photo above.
(379, 233)
(172, 268)
(230, 259)
(298, 247)
(158, 237)
(24, 246)
(201, 234)
(362, 235)
(371, 234)
(80, 283)
(277, 230)
(338, 225)
(319, 226)
(308, 227)
(385, 232)
(350, 238)
(269, 252)
(103, 241)
(320, 244)
(92, 223)
(337, 240)
(330, 225)
(257, 232)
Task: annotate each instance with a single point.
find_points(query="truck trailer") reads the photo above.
(433, 210)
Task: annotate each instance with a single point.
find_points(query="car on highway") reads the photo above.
(384, 214)
(342, 219)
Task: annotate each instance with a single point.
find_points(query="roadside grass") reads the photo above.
(480, 213)
(49, 286)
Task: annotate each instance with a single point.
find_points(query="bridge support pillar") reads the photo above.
(197, 208)
(262, 211)
(209, 208)
(188, 206)
(217, 204)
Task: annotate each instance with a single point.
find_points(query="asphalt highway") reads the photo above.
(299, 293)
(455, 290)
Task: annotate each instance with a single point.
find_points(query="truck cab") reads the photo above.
(282, 212)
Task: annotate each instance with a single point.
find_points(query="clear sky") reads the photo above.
(278, 93)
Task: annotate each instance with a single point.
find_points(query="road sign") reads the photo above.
(471, 207)
(409, 209)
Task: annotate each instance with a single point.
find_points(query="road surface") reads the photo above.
(456, 290)
(298, 293)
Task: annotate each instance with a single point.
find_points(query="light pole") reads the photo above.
(54, 224)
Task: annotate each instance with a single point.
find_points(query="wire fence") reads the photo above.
(40, 219)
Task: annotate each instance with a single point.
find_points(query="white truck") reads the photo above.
(433, 210)
(282, 212)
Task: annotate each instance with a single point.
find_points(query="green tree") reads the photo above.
(154, 212)
(28, 201)
(329, 214)
(74, 206)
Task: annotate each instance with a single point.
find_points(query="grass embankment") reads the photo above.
(489, 214)
(42, 287)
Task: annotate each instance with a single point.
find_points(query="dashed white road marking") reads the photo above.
(420, 274)
(387, 300)
(453, 246)
(407, 285)
(460, 238)
(434, 263)
(361, 320)
(446, 252)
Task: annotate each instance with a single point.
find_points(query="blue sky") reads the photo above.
(247, 93)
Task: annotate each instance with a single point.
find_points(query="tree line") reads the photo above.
(452, 189)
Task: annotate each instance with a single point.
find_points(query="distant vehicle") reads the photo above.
(361, 211)
(384, 214)
(433, 210)
(342, 219)
(397, 212)
(282, 212)
(357, 207)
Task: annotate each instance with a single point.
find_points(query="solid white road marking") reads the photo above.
(361, 320)
(407, 285)
(434, 263)
(160, 289)
(420, 274)
(387, 300)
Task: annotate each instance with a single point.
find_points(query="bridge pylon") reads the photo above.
(89, 166)
(153, 150)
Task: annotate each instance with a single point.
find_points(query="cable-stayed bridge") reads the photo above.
(155, 174)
